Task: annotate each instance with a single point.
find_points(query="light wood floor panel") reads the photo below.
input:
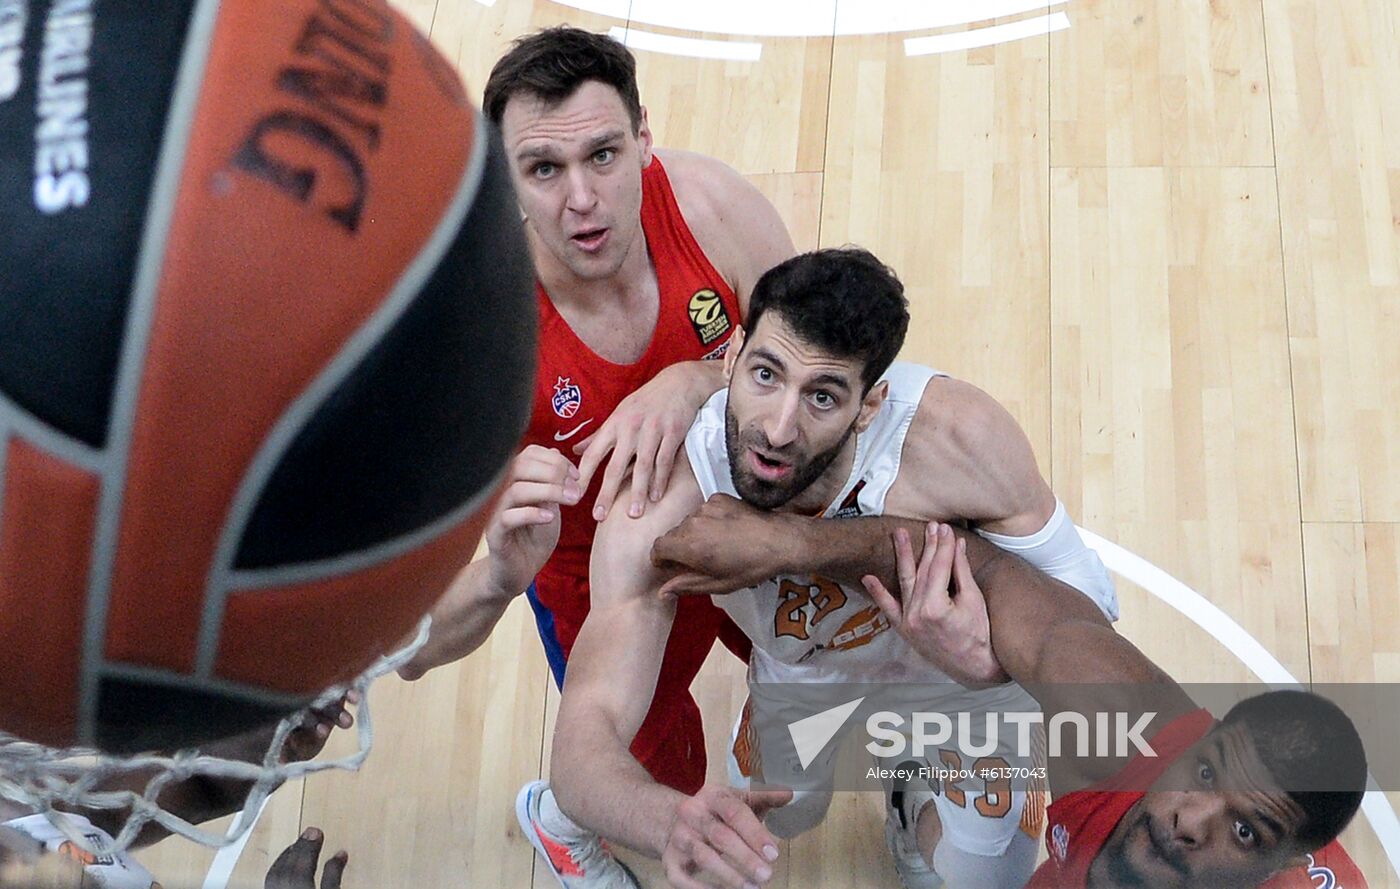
(1335, 72)
(767, 116)
(1160, 83)
(1166, 286)
(938, 164)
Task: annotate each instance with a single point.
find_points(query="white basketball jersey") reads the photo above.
(104, 870)
(806, 628)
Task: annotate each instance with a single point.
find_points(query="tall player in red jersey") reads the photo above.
(644, 260)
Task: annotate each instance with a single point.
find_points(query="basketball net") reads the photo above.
(41, 778)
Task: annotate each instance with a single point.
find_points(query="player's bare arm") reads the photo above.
(1044, 634)
(743, 236)
(522, 532)
(612, 675)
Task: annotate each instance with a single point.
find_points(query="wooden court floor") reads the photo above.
(1165, 238)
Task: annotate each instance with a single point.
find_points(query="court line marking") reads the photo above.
(941, 43)
(1228, 632)
(726, 50)
(806, 18)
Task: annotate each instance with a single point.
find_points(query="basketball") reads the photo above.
(266, 345)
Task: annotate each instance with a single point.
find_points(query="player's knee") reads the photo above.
(961, 869)
(806, 811)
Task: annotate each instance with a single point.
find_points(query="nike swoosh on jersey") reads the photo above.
(565, 436)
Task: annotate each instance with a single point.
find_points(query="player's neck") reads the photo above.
(633, 284)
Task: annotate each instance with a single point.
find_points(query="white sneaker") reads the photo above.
(576, 864)
(905, 800)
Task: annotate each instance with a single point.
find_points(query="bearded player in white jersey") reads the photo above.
(815, 422)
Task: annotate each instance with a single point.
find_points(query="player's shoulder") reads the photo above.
(681, 498)
(702, 184)
(966, 445)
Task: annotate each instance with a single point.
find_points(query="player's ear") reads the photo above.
(731, 354)
(870, 405)
(644, 138)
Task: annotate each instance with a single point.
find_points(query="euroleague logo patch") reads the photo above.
(709, 316)
(567, 398)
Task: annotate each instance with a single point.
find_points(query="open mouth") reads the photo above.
(590, 240)
(768, 468)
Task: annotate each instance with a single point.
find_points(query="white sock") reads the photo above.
(553, 819)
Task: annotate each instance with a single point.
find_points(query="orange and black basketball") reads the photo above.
(266, 344)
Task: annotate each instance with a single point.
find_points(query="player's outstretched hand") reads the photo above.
(723, 546)
(295, 868)
(645, 433)
(524, 528)
(941, 612)
(718, 839)
(307, 740)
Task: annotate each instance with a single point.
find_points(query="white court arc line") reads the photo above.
(1228, 632)
(940, 43)
(726, 50)
(808, 18)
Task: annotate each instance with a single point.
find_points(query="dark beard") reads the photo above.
(771, 495)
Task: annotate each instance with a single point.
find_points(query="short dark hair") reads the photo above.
(554, 62)
(1312, 749)
(841, 300)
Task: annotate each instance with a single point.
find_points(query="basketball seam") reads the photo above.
(15, 420)
(160, 211)
(285, 431)
(305, 572)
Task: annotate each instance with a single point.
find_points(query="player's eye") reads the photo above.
(604, 156)
(543, 171)
(823, 400)
(764, 376)
(1205, 773)
(1245, 834)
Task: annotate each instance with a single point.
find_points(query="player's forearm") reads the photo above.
(462, 619)
(847, 550)
(601, 786)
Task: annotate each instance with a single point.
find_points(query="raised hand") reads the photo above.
(941, 612)
(645, 433)
(718, 839)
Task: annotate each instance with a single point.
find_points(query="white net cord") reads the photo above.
(43, 778)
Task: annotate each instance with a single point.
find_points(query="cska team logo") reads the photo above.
(567, 398)
(1059, 841)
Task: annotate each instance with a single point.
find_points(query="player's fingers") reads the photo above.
(543, 465)
(529, 493)
(334, 870)
(742, 815)
(761, 800)
(904, 564)
(678, 873)
(665, 460)
(936, 567)
(599, 444)
(297, 860)
(648, 441)
(888, 604)
(716, 870)
(525, 516)
(613, 474)
(751, 863)
(969, 593)
(692, 584)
